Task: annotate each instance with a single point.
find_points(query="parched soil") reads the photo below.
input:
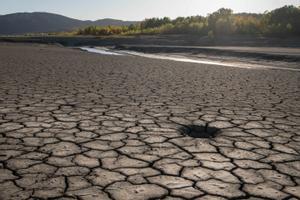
(77, 125)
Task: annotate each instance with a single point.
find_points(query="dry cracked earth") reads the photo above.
(76, 125)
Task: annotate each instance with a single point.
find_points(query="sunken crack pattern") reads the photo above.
(75, 125)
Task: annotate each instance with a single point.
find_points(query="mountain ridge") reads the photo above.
(41, 22)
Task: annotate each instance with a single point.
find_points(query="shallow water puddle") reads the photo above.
(100, 50)
(244, 65)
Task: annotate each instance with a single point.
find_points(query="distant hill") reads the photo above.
(40, 22)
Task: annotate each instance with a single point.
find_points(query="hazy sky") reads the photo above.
(138, 9)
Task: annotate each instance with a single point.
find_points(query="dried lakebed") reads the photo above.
(77, 125)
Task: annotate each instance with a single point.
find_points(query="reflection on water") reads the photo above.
(208, 62)
(238, 64)
(100, 50)
(184, 59)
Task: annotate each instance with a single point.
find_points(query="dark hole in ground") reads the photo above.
(196, 131)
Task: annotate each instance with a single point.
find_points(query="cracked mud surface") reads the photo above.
(75, 125)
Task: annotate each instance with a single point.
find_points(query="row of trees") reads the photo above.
(284, 21)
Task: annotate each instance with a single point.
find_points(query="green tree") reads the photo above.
(283, 21)
(221, 22)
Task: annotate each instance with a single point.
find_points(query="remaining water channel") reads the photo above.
(238, 64)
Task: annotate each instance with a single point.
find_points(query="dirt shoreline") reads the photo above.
(246, 48)
(180, 40)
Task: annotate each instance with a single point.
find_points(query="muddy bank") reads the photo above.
(180, 40)
(244, 47)
(266, 53)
